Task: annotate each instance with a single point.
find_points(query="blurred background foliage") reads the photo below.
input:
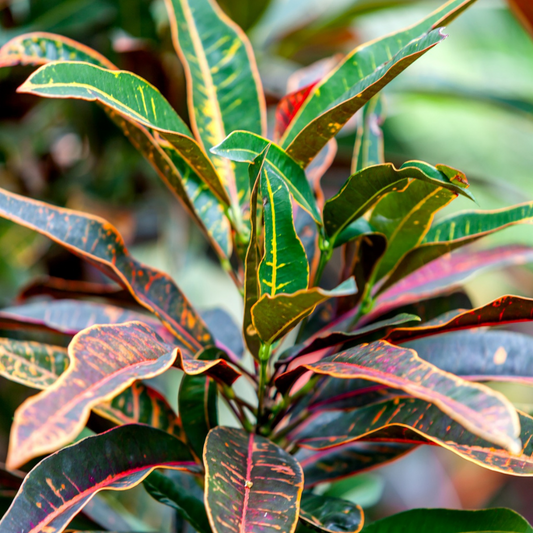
(468, 103)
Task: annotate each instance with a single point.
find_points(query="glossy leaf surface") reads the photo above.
(478, 408)
(369, 149)
(62, 484)
(105, 360)
(244, 147)
(365, 188)
(331, 515)
(452, 521)
(414, 421)
(99, 243)
(274, 317)
(252, 485)
(224, 88)
(284, 267)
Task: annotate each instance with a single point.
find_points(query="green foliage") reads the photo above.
(373, 369)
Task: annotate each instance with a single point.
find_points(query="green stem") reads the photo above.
(264, 356)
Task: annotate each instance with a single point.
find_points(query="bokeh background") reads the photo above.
(468, 103)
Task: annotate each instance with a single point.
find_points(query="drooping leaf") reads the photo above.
(414, 421)
(225, 91)
(456, 231)
(505, 310)
(105, 360)
(478, 408)
(99, 243)
(273, 317)
(330, 515)
(369, 149)
(62, 484)
(404, 217)
(365, 70)
(284, 267)
(165, 490)
(197, 404)
(452, 521)
(445, 274)
(225, 331)
(338, 463)
(243, 146)
(484, 356)
(254, 255)
(363, 189)
(252, 485)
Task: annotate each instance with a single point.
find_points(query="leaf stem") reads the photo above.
(264, 356)
(301, 417)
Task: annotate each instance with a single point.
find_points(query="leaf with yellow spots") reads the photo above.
(483, 411)
(414, 421)
(361, 75)
(404, 217)
(274, 316)
(104, 361)
(223, 84)
(252, 485)
(455, 231)
(330, 515)
(99, 243)
(62, 484)
(365, 188)
(284, 267)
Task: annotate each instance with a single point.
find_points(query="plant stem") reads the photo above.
(264, 356)
(301, 417)
(227, 393)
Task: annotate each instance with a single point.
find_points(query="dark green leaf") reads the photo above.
(330, 515)
(369, 149)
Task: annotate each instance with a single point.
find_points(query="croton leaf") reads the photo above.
(365, 70)
(105, 360)
(225, 91)
(524, 12)
(452, 521)
(363, 189)
(165, 490)
(445, 274)
(414, 421)
(284, 267)
(244, 146)
(331, 465)
(369, 149)
(275, 316)
(63, 483)
(481, 410)
(99, 243)
(485, 355)
(197, 404)
(404, 217)
(502, 311)
(456, 231)
(330, 515)
(252, 485)
(226, 332)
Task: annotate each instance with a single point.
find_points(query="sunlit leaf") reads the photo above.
(330, 515)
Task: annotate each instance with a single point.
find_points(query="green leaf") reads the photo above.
(404, 217)
(505, 310)
(365, 70)
(413, 421)
(98, 242)
(284, 267)
(63, 483)
(357, 228)
(363, 189)
(337, 463)
(254, 254)
(473, 405)
(273, 317)
(165, 490)
(130, 96)
(251, 484)
(244, 146)
(452, 521)
(331, 515)
(225, 91)
(369, 149)
(197, 404)
(456, 231)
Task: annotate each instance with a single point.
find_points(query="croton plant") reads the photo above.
(344, 379)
